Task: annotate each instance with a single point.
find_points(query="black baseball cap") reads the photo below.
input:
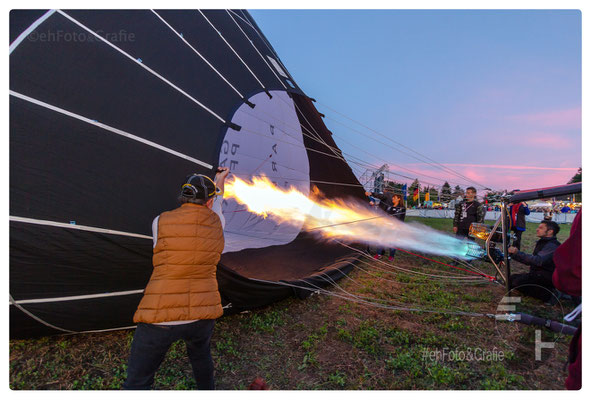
(197, 186)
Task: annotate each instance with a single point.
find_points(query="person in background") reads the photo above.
(374, 203)
(518, 212)
(538, 281)
(467, 211)
(567, 278)
(548, 214)
(393, 205)
(181, 300)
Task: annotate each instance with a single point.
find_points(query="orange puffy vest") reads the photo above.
(183, 285)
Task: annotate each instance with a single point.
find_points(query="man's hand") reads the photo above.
(455, 229)
(220, 177)
(221, 173)
(367, 194)
(512, 250)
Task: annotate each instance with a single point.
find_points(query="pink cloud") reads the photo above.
(554, 141)
(568, 119)
(492, 175)
(517, 167)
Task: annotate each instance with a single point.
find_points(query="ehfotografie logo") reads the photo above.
(59, 35)
(523, 323)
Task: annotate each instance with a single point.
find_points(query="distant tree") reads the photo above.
(457, 192)
(577, 177)
(396, 187)
(445, 192)
(494, 195)
(433, 194)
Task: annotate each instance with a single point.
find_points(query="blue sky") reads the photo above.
(495, 95)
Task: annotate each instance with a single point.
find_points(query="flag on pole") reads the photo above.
(415, 194)
(404, 189)
(426, 197)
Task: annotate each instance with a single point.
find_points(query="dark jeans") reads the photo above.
(532, 285)
(463, 233)
(517, 241)
(381, 251)
(151, 342)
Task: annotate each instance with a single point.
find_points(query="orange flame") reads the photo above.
(348, 220)
(262, 197)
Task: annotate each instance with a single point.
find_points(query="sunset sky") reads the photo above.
(493, 95)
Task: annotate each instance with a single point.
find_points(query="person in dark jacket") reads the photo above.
(518, 212)
(538, 281)
(468, 211)
(392, 204)
(567, 278)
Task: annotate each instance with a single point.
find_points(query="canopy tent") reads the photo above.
(109, 111)
(540, 204)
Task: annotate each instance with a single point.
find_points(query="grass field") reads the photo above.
(327, 342)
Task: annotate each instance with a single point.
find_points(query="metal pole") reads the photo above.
(505, 228)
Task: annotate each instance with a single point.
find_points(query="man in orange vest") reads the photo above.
(181, 300)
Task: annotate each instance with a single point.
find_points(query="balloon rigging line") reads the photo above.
(317, 134)
(109, 128)
(256, 49)
(389, 267)
(448, 265)
(364, 164)
(234, 51)
(405, 251)
(199, 54)
(335, 151)
(265, 42)
(448, 280)
(30, 314)
(114, 130)
(394, 308)
(141, 64)
(396, 270)
(402, 145)
(285, 141)
(390, 163)
(451, 276)
(264, 160)
(374, 300)
(296, 131)
(393, 268)
(434, 164)
(400, 268)
(331, 282)
(338, 150)
(104, 40)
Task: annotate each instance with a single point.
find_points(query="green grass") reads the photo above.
(329, 343)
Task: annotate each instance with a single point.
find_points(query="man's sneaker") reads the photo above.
(377, 256)
(390, 258)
